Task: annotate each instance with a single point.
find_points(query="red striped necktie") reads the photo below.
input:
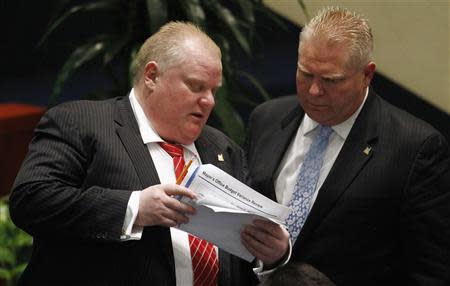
(204, 257)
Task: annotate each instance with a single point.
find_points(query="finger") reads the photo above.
(177, 190)
(260, 235)
(162, 217)
(269, 256)
(168, 222)
(259, 240)
(179, 218)
(264, 223)
(180, 207)
(167, 215)
(275, 230)
(266, 226)
(253, 248)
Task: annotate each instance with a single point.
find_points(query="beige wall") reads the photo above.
(412, 40)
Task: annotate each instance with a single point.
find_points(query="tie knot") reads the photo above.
(324, 131)
(172, 149)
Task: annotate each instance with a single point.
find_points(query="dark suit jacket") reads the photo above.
(72, 192)
(380, 218)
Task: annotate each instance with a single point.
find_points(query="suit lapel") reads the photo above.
(128, 132)
(205, 149)
(350, 161)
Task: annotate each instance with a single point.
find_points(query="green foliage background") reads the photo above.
(15, 247)
(235, 25)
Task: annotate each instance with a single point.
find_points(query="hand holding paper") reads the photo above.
(267, 241)
(224, 206)
(158, 205)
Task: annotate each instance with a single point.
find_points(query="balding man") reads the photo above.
(97, 188)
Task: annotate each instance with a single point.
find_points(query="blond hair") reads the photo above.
(165, 47)
(336, 25)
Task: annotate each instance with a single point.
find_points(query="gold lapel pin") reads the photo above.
(220, 157)
(367, 150)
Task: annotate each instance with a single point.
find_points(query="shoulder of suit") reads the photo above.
(86, 108)
(214, 134)
(216, 137)
(399, 122)
(275, 110)
(284, 102)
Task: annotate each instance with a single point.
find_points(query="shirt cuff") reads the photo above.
(129, 230)
(263, 274)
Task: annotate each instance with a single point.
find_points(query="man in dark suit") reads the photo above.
(97, 188)
(376, 211)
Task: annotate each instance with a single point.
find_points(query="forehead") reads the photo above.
(196, 48)
(200, 69)
(317, 54)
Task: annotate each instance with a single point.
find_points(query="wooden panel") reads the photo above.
(17, 122)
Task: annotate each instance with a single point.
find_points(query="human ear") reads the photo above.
(151, 72)
(369, 71)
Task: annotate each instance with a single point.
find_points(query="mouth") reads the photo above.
(317, 106)
(197, 115)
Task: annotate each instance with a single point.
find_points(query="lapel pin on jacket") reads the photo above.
(367, 150)
(220, 157)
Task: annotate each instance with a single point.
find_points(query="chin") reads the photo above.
(317, 116)
(189, 138)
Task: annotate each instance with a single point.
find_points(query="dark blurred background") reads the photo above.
(28, 72)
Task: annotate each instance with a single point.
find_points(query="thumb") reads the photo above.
(177, 190)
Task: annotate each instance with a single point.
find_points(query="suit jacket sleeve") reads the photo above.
(50, 196)
(426, 215)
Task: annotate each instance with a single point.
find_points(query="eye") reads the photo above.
(304, 74)
(332, 80)
(195, 86)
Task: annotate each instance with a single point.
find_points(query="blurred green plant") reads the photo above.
(15, 247)
(231, 23)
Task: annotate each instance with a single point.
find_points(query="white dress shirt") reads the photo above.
(287, 172)
(165, 169)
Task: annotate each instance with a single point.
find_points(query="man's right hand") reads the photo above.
(158, 206)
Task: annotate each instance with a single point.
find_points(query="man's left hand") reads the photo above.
(266, 240)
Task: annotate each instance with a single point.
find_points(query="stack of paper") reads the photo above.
(224, 206)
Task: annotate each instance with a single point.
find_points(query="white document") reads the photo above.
(224, 205)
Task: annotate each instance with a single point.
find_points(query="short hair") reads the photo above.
(297, 274)
(166, 47)
(340, 26)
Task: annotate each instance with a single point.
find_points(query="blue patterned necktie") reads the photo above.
(306, 182)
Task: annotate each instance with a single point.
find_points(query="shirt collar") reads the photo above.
(148, 133)
(342, 129)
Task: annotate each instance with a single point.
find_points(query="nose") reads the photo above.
(315, 88)
(207, 100)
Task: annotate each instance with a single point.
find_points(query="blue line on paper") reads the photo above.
(191, 178)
